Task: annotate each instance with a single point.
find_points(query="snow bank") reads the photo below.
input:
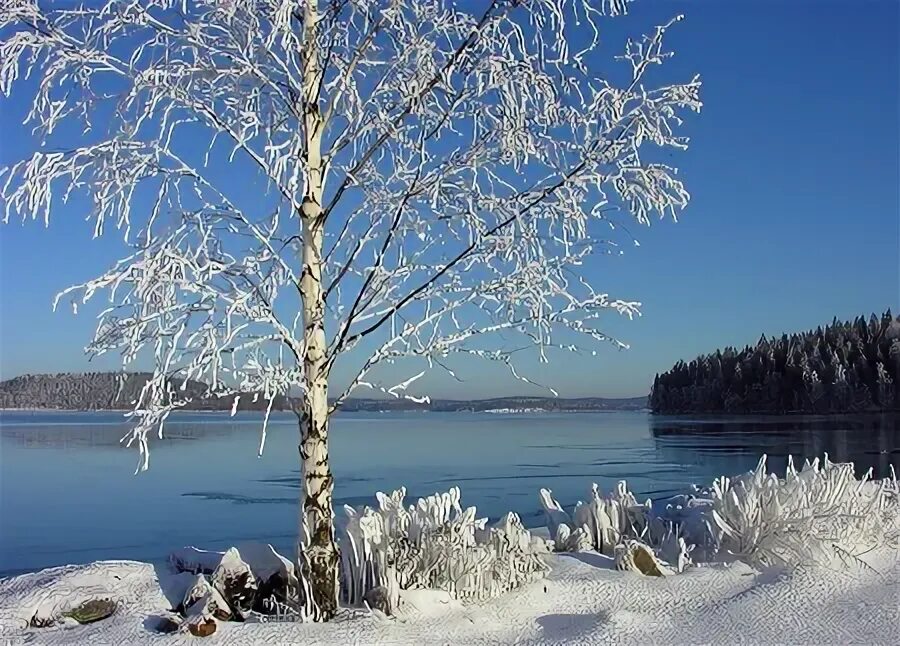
(581, 601)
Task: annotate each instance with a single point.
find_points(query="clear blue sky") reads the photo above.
(794, 170)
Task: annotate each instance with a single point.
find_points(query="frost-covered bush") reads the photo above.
(604, 523)
(601, 523)
(817, 514)
(434, 544)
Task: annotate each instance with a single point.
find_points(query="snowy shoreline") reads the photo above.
(581, 601)
(810, 558)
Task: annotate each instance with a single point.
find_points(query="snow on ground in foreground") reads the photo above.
(582, 601)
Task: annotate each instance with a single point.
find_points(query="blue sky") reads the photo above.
(794, 170)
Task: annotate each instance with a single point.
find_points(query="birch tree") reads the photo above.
(388, 181)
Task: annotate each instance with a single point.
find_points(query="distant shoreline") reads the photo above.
(107, 391)
(529, 411)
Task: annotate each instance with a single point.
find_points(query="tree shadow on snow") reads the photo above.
(569, 627)
(761, 581)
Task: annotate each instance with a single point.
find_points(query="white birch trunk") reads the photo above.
(318, 550)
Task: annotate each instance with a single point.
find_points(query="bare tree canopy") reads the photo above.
(296, 180)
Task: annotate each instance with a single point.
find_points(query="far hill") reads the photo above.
(844, 367)
(101, 391)
(502, 404)
(107, 391)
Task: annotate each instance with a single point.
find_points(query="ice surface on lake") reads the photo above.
(67, 493)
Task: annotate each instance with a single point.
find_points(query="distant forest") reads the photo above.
(106, 391)
(100, 391)
(843, 367)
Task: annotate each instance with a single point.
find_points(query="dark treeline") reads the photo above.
(844, 367)
(107, 391)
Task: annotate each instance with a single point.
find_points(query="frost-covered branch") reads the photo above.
(468, 161)
(301, 183)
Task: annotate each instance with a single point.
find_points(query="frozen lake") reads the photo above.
(67, 493)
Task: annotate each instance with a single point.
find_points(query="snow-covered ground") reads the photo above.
(582, 601)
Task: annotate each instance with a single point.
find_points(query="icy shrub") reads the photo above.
(434, 544)
(817, 514)
(604, 523)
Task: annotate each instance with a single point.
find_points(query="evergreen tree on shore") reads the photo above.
(845, 367)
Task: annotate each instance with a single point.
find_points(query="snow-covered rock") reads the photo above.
(203, 600)
(264, 561)
(195, 561)
(637, 557)
(234, 580)
(275, 575)
(248, 576)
